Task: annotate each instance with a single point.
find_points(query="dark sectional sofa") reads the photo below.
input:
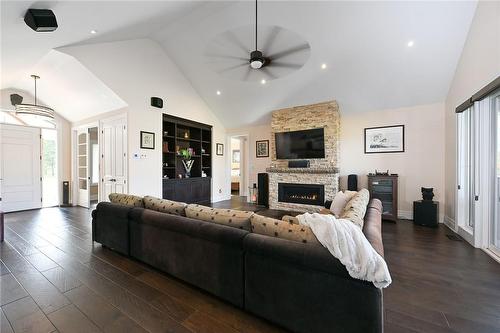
(301, 287)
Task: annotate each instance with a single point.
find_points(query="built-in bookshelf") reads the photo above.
(180, 134)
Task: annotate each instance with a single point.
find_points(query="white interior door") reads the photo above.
(114, 157)
(20, 184)
(82, 160)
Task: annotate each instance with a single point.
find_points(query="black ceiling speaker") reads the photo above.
(16, 99)
(157, 102)
(41, 20)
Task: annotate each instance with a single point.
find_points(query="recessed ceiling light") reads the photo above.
(411, 43)
(263, 81)
(218, 92)
(323, 66)
(93, 32)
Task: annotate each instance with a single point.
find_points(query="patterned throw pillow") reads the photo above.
(126, 199)
(356, 208)
(230, 217)
(165, 206)
(281, 229)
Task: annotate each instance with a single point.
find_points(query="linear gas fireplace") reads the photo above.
(309, 194)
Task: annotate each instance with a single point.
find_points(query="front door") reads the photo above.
(20, 181)
(114, 157)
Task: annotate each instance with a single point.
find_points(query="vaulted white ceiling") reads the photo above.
(363, 44)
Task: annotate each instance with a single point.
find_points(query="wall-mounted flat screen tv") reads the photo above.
(305, 144)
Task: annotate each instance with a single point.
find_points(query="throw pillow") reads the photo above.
(230, 217)
(356, 208)
(126, 199)
(165, 206)
(287, 230)
(339, 202)
(350, 194)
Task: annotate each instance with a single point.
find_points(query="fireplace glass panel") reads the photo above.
(309, 194)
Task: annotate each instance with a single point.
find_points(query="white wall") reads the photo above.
(422, 163)
(255, 133)
(479, 64)
(136, 70)
(63, 135)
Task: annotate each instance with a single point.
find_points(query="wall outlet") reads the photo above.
(220, 191)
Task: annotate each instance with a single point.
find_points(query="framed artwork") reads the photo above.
(262, 148)
(147, 140)
(219, 149)
(236, 156)
(385, 139)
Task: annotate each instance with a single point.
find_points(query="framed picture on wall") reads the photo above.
(385, 139)
(219, 149)
(262, 148)
(147, 140)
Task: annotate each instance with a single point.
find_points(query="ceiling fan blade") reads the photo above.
(227, 69)
(291, 50)
(277, 64)
(270, 40)
(247, 74)
(266, 71)
(233, 39)
(223, 56)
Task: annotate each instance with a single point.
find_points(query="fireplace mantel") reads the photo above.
(303, 170)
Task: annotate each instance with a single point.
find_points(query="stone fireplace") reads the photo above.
(305, 189)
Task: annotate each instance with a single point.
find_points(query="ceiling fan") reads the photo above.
(267, 57)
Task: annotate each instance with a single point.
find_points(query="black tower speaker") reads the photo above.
(65, 193)
(41, 20)
(263, 185)
(352, 182)
(157, 102)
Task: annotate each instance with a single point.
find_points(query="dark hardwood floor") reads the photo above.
(53, 278)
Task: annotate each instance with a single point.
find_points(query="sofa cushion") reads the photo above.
(356, 208)
(126, 199)
(165, 206)
(290, 219)
(281, 229)
(230, 217)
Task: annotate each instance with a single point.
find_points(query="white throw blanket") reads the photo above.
(346, 242)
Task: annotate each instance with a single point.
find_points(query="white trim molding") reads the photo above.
(450, 223)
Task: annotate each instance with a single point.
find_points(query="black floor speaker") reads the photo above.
(263, 185)
(65, 193)
(352, 182)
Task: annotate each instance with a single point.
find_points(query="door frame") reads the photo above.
(74, 157)
(245, 149)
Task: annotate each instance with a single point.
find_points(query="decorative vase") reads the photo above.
(188, 164)
(427, 193)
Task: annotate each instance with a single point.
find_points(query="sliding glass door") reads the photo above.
(478, 173)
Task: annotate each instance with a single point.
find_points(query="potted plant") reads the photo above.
(186, 155)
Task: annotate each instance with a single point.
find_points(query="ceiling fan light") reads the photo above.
(256, 59)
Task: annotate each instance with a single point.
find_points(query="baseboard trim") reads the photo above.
(492, 255)
(408, 215)
(450, 223)
(405, 215)
(221, 198)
